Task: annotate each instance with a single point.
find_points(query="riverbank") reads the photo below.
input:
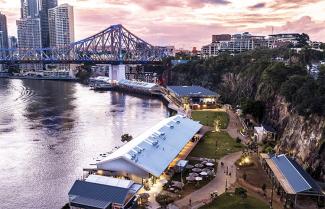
(39, 78)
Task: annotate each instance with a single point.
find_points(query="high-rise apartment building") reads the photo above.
(235, 44)
(30, 8)
(4, 30)
(61, 28)
(61, 25)
(13, 42)
(29, 37)
(45, 6)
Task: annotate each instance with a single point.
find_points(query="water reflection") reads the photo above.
(50, 130)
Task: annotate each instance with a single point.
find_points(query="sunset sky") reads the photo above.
(188, 23)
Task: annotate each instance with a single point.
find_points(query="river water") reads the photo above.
(50, 130)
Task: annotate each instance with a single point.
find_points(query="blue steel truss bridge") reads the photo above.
(114, 45)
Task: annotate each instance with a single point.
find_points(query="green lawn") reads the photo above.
(207, 146)
(232, 201)
(208, 117)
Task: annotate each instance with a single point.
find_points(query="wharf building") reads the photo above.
(193, 97)
(150, 155)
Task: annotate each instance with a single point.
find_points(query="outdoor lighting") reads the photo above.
(246, 160)
(100, 172)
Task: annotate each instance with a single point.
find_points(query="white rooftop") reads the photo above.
(110, 181)
(156, 148)
(137, 84)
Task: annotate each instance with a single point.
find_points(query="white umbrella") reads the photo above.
(199, 165)
(189, 166)
(190, 178)
(197, 170)
(209, 164)
(203, 173)
(198, 178)
(193, 174)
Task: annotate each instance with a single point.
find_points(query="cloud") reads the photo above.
(304, 24)
(258, 6)
(291, 4)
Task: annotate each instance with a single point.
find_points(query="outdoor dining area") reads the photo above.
(190, 172)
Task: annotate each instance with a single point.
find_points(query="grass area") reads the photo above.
(207, 146)
(231, 201)
(255, 175)
(207, 118)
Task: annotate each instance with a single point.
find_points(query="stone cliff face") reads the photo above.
(302, 137)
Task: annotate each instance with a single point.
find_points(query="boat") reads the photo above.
(101, 86)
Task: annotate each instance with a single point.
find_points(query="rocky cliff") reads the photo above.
(302, 137)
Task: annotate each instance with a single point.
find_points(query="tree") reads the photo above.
(126, 138)
(264, 187)
(303, 40)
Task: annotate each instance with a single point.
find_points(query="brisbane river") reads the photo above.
(50, 130)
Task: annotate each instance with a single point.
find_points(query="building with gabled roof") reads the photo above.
(290, 178)
(151, 153)
(101, 192)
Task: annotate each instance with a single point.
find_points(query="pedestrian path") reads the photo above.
(219, 184)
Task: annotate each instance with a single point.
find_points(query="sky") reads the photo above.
(189, 23)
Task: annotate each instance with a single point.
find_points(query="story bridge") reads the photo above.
(115, 45)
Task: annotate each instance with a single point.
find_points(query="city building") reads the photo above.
(61, 29)
(13, 42)
(45, 6)
(61, 25)
(30, 8)
(171, 50)
(4, 30)
(3, 36)
(283, 39)
(221, 37)
(29, 37)
(237, 43)
(101, 192)
(194, 97)
(149, 155)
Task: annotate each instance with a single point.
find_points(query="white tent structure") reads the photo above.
(152, 151)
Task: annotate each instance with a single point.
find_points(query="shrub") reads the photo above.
(238, 140)
(245, 176)
(241, 192)
(164, 199)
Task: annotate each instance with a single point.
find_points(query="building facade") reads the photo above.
(3, 35)
(61, 28)
(236, 43)
(4, 30)
(61, 25)
(29, 37)
(30, 8)
(45, 6)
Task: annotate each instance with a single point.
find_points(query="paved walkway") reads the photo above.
(234, 126)
(202, 196)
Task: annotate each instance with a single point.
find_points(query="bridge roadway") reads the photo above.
(114, 45)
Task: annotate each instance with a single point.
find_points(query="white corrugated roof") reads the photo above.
(110, 181)
(156, 148)
(137, 84)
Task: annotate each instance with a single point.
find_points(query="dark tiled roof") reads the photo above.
(192, 91)
(90, 203)
(98, 195)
